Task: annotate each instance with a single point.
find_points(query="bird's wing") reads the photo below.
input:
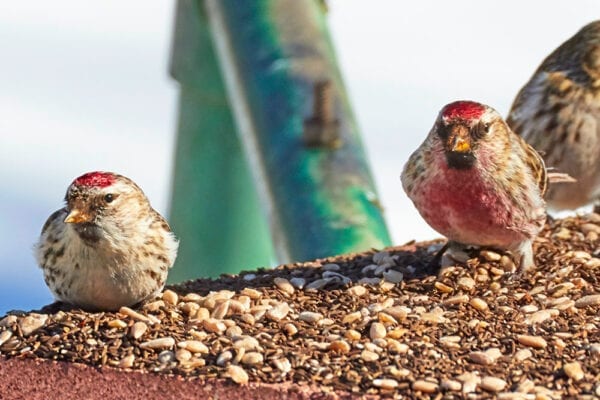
(58, 214)
(537, 167)
(560, 177)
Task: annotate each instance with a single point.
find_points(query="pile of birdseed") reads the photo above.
(371, 323)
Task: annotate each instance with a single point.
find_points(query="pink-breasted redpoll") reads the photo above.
(477, 183)
(108, 247)
(558, 113)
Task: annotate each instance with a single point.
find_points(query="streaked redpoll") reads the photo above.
(108, 247)
(477, 183)
(558, 113)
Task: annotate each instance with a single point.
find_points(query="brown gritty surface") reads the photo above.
(36, 379)
(376, 324)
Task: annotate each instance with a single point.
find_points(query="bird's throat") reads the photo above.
(88, 232)
(460, 160)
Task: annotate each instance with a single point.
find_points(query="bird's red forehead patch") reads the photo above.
(467, 110)
(95, 179)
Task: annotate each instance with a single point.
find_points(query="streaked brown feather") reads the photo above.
(55, 215)
(538, 168)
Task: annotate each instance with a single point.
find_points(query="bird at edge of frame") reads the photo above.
(108, 247)
(479, 184)
(558, 113)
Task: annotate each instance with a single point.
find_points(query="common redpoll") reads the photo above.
(108, 247)
(477, 183)
(558, 113)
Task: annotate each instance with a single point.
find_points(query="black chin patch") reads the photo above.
(458, 160)
(88, 232)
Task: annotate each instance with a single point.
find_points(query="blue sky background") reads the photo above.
(84, 86)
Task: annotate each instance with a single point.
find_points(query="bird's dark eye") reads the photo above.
(482, 129)
(443, 131)
(108, 198)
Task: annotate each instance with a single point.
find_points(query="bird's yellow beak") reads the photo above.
(461, 145)
(77, 217)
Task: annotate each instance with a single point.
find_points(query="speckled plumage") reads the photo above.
(101, 255)
(558, 113)
(487, 192)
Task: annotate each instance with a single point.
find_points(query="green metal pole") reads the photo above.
(214, 206)
(297, 126)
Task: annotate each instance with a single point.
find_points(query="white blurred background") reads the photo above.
(84, 86)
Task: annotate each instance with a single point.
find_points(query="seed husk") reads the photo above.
(536, 342)
(387, 384)
(492, 384)
(138, 329)
(425, 386)
(377, 331)
(284, 285)
(588, 301)
(159, 343)
(310, 316)
(574, 371)
(170, 297)
(237, 374)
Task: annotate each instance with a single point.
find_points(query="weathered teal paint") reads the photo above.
(214, 207)
(322, 201)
